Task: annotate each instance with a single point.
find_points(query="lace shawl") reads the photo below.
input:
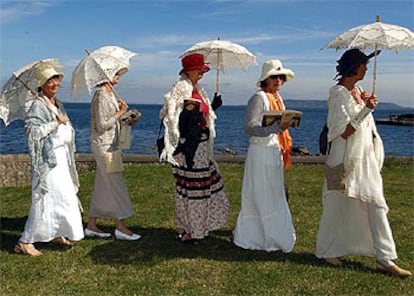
(364, 152)
(170, 114)
(40, 126)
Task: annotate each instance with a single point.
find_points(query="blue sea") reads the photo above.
(398, 140)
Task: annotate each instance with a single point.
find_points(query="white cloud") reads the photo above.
(11, 11)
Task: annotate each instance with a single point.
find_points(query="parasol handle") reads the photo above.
(374, 82)
(36, 95)
(118, 97)
(375, 70)
(218, 71)
(217, 81)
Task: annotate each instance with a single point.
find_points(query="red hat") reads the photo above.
(193, 62)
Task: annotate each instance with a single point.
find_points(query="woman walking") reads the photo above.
(201, 204)
(354, 219)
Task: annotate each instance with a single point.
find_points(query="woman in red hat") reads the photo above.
(201, 204)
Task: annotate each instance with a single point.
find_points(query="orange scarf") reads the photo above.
(285, 140)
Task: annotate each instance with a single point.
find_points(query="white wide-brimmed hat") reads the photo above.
(46, 70)
(274, 67)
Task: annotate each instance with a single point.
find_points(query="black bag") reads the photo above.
(324, 146)
(160, 140)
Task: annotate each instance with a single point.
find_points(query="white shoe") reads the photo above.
(91, 233)
(123, 236)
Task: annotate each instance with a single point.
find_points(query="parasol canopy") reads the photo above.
(98, 67)
(223, 55)
(374, 36)
(18, 93)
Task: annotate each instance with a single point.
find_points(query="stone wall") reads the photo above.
(15, 168)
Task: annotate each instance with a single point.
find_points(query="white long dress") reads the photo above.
(354, 221)
(55, 213)
(264, 221)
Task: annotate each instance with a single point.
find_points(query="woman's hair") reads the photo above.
(101, 84)
(350, 71)
(263, 83)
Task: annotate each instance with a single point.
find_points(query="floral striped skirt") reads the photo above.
(201, 203)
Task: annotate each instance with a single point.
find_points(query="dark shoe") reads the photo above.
(180, 235)
(185, 238)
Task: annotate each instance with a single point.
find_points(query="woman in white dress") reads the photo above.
(264, 221)
(110, 197)
(55, 210)
(354, 219)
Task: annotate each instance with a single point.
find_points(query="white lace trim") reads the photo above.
(170, 114)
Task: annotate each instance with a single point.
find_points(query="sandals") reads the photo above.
(392, 270)
(26, 249)
(334, 261)
(63, 242)
(29, 249)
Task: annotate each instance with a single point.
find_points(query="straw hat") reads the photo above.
(193, 62)
(274, 67)
(46, 70)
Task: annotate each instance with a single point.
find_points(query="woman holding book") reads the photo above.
(354, 219)
(264, 221)
(201, 204)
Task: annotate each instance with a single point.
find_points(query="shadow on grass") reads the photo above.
(12, 224)
(159, 244)
(8, 228)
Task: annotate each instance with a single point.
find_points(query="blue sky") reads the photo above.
(159, 31)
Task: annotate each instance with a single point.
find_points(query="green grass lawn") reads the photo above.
(159, 265)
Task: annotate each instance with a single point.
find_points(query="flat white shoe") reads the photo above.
(91, 233)
(123, 236)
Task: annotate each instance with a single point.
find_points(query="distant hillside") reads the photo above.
(290, 104)
(297, 104)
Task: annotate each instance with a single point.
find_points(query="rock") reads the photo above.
(300, 150)
(227, 150)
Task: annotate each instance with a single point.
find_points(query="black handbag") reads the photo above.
(160, 140)
(324, 145)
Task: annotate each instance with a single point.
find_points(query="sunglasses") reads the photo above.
(282, 77)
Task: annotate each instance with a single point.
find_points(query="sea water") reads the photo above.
(398, 140)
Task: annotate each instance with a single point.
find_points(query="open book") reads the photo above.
(269, 117)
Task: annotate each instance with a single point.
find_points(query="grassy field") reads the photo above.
(159, 265)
